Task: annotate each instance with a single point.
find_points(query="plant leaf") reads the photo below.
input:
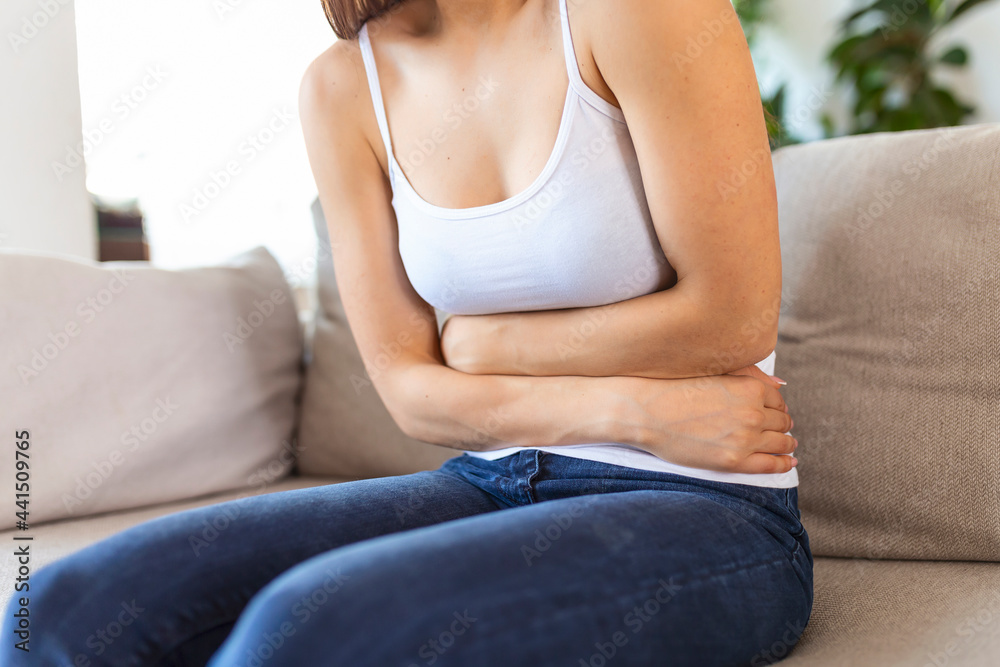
(956, 56)
(962, 8)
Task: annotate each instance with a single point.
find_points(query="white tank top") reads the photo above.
(580, 235)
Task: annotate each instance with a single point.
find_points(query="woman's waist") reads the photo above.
(627, 456)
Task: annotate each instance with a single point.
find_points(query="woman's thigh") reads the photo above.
(638, 577)
(136, 596)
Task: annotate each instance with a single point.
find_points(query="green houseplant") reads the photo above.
(885, 56)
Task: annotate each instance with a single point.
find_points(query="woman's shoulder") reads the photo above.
(333, 75)
(334, 89)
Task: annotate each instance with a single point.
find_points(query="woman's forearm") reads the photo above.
(437, 404)
(665, 334)
(731, 423)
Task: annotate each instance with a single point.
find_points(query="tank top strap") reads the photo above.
(576, 81)
(572, 65)
(368, 57)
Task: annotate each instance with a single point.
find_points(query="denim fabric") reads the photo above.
(533, 559)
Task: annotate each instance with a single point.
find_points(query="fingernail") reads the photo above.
(795, 461)
(792, 424)
(796, 441)
(778, 379)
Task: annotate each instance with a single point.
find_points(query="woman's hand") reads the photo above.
(467, 342)
(731, 423)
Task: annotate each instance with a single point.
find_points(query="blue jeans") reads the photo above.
(532, 559)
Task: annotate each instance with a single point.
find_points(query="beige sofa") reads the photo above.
(889, 341)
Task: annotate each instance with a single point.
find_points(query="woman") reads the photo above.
(627, 490)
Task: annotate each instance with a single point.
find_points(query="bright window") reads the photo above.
(192, 108)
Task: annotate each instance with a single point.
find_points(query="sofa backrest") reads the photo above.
(125, 384)
(889, 338)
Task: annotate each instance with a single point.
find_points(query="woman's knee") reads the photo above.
(348, 607)
(44, 609)
(276, 626)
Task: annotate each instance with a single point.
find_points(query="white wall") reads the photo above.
(39, 124)
(794, 45)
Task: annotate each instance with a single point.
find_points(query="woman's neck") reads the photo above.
(428, 17)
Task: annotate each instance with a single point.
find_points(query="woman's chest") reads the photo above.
(582, 238)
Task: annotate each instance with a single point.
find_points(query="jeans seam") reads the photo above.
(736, 569)
(796, 514)
(529, 489)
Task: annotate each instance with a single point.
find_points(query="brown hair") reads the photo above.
(347, 16)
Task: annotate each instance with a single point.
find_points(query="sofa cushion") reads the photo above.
(137, 385)
(871, 613)
(889, 338)
(345, 428)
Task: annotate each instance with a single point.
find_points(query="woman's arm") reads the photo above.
(682, 74)
(388, 318)
(732, 425)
